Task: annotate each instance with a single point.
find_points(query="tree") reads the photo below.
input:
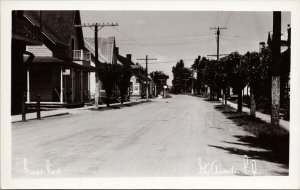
(181, 82)
(108, 74)
(254, 72)
(236, 76)
(199, 67)
(159, 78)
(222, 79)
(210, 77)
(123, 80)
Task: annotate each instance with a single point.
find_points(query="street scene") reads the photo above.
(133, 94)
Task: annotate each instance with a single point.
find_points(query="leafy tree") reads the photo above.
(123, 80)
(160, 79)
(236, 75)
(199, 66)
(108, 74)
(181, 80)
(210, 77)
(222, 78)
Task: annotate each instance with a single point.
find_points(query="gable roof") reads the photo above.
(57, 26)
(91, 48)
(106, 48)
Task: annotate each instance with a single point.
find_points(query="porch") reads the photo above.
(58, 83)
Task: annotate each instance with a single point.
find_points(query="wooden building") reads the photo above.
(107, 53)
(59, 72)
(137, 88)
(24, 33)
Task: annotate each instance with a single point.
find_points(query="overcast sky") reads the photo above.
(173, 35)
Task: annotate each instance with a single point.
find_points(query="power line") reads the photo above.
(174, 43)
(168, 38)
(144, 45)
(172, 61)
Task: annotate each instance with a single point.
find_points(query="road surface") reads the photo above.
(177, 136)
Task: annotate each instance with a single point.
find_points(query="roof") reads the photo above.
(39, 50)
(91, 48)
(58, 26)
(125, 61)
(55, 61)
(106, 48)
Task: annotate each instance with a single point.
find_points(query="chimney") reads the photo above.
(117, 50)
(128, 56)
(261, 45)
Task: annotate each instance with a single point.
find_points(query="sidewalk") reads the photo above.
(265, 117)
(63, 111)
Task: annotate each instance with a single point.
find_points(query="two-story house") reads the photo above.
(59, 72)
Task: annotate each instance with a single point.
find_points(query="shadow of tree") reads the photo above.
(211, 100)
(119, 106)
(272, 142)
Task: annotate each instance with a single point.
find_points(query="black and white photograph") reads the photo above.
(142, 93)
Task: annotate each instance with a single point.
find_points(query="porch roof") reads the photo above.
(55, 61)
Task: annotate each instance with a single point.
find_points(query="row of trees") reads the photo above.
(236, 71)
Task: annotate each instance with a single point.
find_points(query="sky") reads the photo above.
(170, 36)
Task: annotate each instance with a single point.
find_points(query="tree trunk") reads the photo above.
(252, 104)
(240, 101)
(225, 96)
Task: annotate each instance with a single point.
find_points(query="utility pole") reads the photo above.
(276, 39)
(218, 38)
(96, 27)
(218, 50)
(185, 79)
(146, 59)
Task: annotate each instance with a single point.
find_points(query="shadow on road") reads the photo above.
(119, 106)
(211, 100)
(274, 141)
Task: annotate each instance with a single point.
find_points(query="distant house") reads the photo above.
(137, 86)
(107, 53)
(59, 72)
(24, 33)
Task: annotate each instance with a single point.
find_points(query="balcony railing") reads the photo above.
(26, 30)
(80, 55)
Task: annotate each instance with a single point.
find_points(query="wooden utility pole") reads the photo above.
(218, 39)
(276, 39)
(146, 59)
(185, 79)
(96, 27)
(218, 52)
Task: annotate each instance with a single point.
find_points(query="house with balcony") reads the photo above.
(59, 72)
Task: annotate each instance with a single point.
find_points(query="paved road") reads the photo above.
(178, 136)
